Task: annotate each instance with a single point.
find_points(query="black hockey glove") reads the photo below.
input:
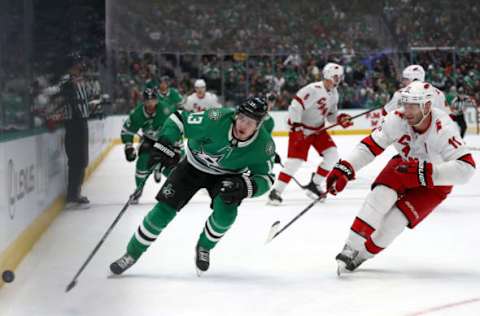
(234, 189)
(163, 153)
(130, 153)
(278, 159)
(146, 145)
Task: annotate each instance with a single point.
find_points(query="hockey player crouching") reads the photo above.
(310, 108)
(148, 116)
(228, 153)
(431, 159)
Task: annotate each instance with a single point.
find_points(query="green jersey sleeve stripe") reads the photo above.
(177, 119)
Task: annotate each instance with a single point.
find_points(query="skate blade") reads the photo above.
(157, 178)
(313, 196)
(77, 206)
(273, 202)
(341, 268)
(200, 272)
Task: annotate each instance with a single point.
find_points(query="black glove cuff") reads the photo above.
(250, 185)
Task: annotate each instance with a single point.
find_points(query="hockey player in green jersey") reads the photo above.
(148, 116)
(228, 153)
(168, 96)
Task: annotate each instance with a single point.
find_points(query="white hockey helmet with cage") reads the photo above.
(332, 69)
(414, 73)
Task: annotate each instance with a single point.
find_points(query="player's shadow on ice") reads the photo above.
(192, 277)
(419, 274)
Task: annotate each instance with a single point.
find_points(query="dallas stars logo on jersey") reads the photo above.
(211, 161)
(214, 114)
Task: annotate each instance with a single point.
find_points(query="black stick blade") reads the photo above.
(70, 286)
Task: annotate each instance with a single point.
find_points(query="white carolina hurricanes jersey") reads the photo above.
(440, 145)
(196, 104)
(312, 105)
(439, 101)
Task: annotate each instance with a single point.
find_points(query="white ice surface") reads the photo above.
(436, 264)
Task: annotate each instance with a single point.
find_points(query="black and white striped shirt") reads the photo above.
(76, 97)
(459, 104)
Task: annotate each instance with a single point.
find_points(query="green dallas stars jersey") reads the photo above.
(211, 147)
(269, 124)
(150, 124)
(171, 98)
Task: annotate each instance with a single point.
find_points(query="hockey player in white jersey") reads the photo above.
(431, 159)
(410, 74)
(310, 108)
(201, 99)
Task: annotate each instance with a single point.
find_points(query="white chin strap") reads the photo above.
(425, 115)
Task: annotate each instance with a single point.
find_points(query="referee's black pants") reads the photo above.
(76, 148)
(460, 120)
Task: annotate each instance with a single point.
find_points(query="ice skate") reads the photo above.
(122, 264)
(314, 191)
(348, 260)
(79, 203)
(136, 197)
(157, 174)
(274, 198)
(202, 259)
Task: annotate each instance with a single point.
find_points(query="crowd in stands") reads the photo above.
(247, 47)
(434, 23)
(239, 47)
(231, 26)
(369, 80)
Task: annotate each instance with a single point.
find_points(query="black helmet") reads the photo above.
(150, 94)
(254, 107)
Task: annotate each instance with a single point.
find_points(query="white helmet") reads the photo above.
(417, 92)
(414, 72)
(332, 69)
(200, 83)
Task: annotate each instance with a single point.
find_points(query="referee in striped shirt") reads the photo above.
(458, 107)
(76, 112)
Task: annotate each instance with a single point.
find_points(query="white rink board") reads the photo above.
(33, 174)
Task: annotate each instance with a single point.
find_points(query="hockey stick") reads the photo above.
(137, 191)
(294, 179)
(275, 229)
(473, 148)
(329, 127)
(351, 119)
